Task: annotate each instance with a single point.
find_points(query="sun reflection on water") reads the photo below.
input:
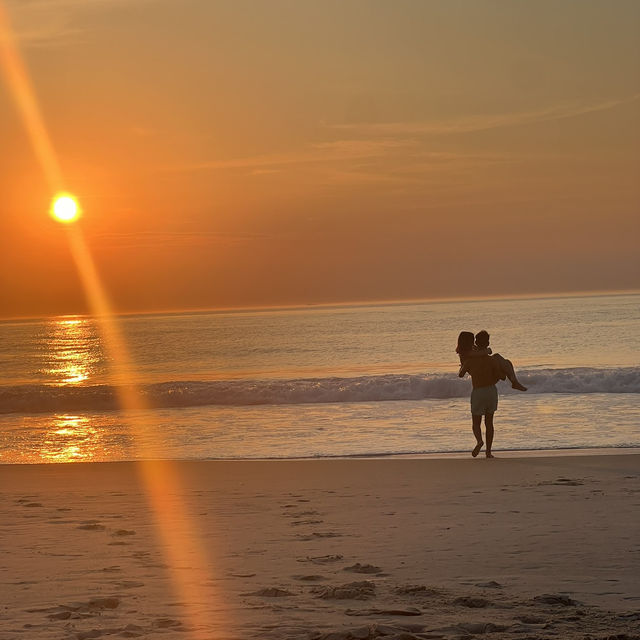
(71, 439)
(73, 351)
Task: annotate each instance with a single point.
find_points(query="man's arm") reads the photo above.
(485, 351)
(497, 370)
(464, 368)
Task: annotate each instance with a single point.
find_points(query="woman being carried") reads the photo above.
(468, 349)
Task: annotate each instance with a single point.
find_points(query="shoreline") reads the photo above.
(440, 455)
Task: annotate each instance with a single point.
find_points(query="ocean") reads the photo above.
(321, 381)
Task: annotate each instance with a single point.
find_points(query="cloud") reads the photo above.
(53, 22)
(264, 172)
(142, 131)
(325, 152)
(136, 240)
(372, 162)
(483, 122)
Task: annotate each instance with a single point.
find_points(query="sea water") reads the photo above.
(348, 380)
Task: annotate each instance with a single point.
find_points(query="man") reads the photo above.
(485, 372)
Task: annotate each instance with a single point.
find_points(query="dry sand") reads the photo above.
(518, 548)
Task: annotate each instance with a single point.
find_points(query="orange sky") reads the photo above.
(241, 153)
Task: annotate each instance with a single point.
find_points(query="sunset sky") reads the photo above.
(271, 152)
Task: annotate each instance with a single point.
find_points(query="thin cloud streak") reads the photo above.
(340, 151)
(171, 238)
(48, 22)
(470, 124)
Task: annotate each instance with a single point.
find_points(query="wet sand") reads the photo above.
(518, 547)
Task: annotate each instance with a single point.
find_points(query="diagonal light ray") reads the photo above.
(182, 543)
(20, 88)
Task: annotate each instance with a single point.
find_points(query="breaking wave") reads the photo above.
(378, 388)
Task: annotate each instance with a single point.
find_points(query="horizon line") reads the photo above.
(305, 306)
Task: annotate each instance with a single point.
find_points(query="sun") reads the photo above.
(64, 208)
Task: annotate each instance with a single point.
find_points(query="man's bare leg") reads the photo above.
(476, 422)
(488, 423)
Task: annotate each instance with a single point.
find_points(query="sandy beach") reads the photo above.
(520, 547)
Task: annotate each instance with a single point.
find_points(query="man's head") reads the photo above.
(482, 339)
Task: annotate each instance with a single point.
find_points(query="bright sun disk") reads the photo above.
(65, 208)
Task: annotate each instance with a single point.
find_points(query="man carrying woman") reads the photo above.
(485, 370)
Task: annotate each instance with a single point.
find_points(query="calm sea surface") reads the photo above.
(321, 381)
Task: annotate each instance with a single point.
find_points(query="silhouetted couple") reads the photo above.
(485, 369)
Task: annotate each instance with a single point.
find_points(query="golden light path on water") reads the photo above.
(72, 360)
(186, 554)
(70, 439)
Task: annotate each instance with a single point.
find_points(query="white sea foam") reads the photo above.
(46, 398)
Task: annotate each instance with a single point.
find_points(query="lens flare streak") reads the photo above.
(24, 96)
(182, 541)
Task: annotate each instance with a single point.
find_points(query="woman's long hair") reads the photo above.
(465, 342)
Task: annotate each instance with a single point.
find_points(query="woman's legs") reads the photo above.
(510, 372)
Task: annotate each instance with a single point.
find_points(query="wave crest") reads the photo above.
(379, 388)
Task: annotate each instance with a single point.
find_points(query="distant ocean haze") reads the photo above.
(323, 381)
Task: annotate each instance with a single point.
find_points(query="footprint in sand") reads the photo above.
(114, 568)
(95, 606)
(166, 623)
(98, 604)
(318, 534)
(322, 559)
(270, 592)
(568, 482)
(481, 627)
(363, 568)
(417, 589)
(123, 532)
(492, 584)
(561, 482)
(350, 591)
(529, 619)
(301, 514)
(314, 577)
(471, 602)
(556, 599)
(62, 615)
(91, 525)
(409, 611)
(127, 584)
(130, 631)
